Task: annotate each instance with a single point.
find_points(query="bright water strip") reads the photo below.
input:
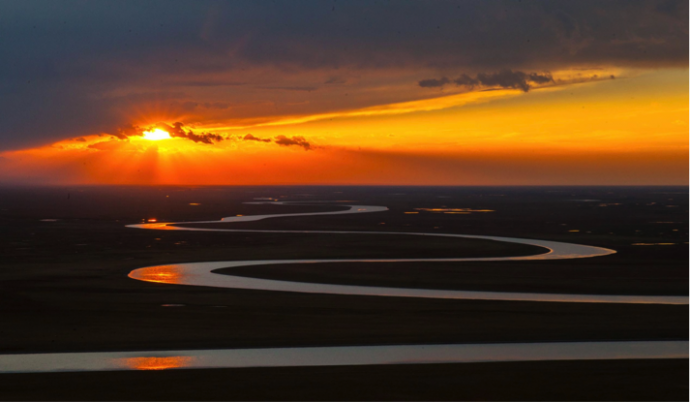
(340, 356)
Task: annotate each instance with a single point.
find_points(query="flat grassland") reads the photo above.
(66, 255)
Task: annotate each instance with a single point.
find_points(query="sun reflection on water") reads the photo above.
(161, 274)
(454, 210)
(156, 363)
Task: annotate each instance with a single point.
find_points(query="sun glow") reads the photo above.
(156, 135)
(593, 133)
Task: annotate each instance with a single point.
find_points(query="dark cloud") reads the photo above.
(539, 78)
(127, 131)
(512, 79)
(250, 137)
(433, 83)
(502, 79)
(177, 131)
(464, 80)
(289, 141)
(64, 60)
(282, 140)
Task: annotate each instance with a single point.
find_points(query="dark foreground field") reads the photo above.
(65, 288)
(634, 380)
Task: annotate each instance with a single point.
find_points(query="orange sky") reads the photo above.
(629, 130)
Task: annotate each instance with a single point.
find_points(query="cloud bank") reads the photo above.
(75, 69)
(502, 79)
(282, 140)
(179, 130)
(176, 130)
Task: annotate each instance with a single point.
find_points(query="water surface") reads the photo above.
(201, 273)
(340, 356)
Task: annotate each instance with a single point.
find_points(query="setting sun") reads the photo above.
(156, 135)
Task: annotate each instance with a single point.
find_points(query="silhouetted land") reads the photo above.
(633, 380)
(65, 288)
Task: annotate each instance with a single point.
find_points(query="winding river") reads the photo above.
(202, 274)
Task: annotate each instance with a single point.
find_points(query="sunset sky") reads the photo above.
(344, 92)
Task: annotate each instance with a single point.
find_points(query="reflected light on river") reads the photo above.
(159, 226)
(162, 274)
(156, 363)
(341, 356)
